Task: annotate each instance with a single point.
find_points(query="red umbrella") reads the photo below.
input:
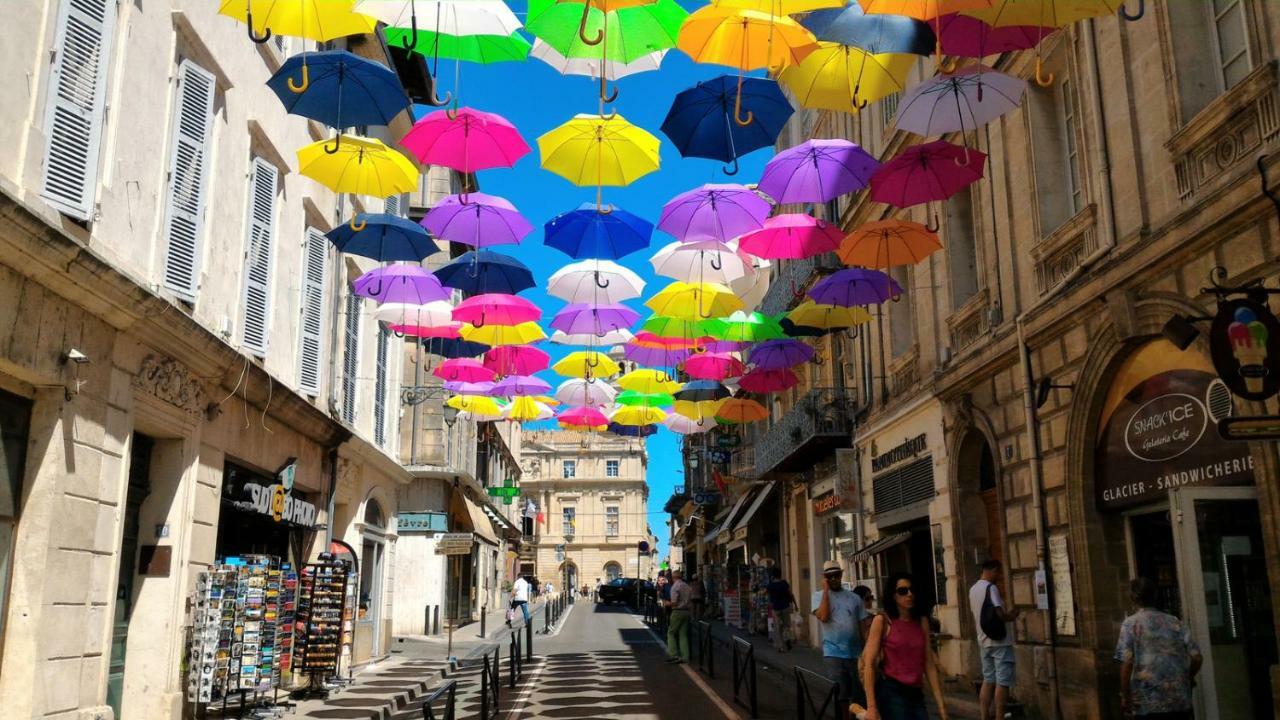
(768, 381)
(966, 36)
(927, 173)
(516, 360)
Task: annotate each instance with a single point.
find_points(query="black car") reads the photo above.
(621, 590)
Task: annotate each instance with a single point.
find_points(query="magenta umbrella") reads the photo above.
(496, 309)
(516, 360)
(966, 36)
(466, 140)
(427, 331)
(791, 236)
(520, 386)
(588, 416)
(463, 370)
(817, 171)
(855, 286)
(410, 284)
(780, 354)
(713, 366)
(926, 173)
(768, 381)
(713, 212)
(599, 320)
(477, 219)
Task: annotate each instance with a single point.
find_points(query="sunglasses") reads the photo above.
(903, 591)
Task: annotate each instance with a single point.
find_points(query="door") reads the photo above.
(1226, 598)
(139, 488)
(371, 592)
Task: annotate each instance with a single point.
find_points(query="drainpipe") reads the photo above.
(333, 494)
(335, 317)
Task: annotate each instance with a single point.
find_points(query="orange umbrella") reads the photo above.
(886, 243)
(741, 410)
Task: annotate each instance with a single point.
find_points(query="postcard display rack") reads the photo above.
(325, 623)
(242, 633)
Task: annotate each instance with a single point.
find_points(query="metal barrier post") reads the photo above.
(707, 656)
(436, 624)
(528, 641)
(449, 688)
(805, 703)
(513, 657)
(484, 612)
(744, 672)
(489, 683)
(546, 619)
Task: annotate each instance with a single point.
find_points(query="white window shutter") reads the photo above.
(257, 260)
(380, 388)
(188, 166)
(77, 104)
(392, 205)
(313, 282)
(350, 357)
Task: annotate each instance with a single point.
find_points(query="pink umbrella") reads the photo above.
(496, 309)
(478, 220)
(467, 140)
(966, 36)
(924, 173)
(713, 366)
(768, 381)
(588, 416)
(645, 337)
(452, 330)
(464, 370)
(792, 236)
(516, 360)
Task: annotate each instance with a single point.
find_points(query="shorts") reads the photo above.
(997, 665)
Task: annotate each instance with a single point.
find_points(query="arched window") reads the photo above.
(612, 571)
(373, 517)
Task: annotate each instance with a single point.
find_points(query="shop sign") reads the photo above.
(719, 457)
(455, 544)
(249, 492)
(706, 498)
(825, 503)
(1244, 342)
(728, 441)
(740, 534)
(906, 450)
(1156, 430)
(422, 522)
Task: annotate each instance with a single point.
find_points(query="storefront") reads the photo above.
(264, 514)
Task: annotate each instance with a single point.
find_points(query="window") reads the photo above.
(611, 518)
(611, 468)
(1055, 148)
(257, 256)
(962, 261)
(612, 571)
(1231, 40)
(380, 388)
(188, 166)
(350, 357)
(392, 205)
(570, 468)
(902, 331)
(1210, 50)
(15, 423)
(373, 517)
(1071, 146)
(569, 521)
(314, 256)
(889, 110)
(77, 104)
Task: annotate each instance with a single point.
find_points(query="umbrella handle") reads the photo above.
(606, 96)
(731, 169)
(1043, 80)
(357, 227)
(337, 140)
(934, 226)
(306, 81)
(737, 108)
(601, 285)
(817, 360)
(715, 263)
(859, 105)
(452, 112)
(436, 100)
(582, 27)
(266, 31)
(851, 333)
(480, 324)
(944, 66)
(967, 158)
(1142, 10)
(413, 18)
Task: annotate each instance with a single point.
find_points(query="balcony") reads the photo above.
(820, 422)
(792, 278)
(679, 496)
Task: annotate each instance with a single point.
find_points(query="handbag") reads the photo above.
(989, 618)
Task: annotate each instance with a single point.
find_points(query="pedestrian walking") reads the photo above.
(841, 612)
(995, 642)
(678, 626)
(1158, 659)
(899, 658)
(596, 595)
(868, 604)
(697, 597)
(781, 603)
(520, 598)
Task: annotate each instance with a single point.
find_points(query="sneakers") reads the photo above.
(674, 660)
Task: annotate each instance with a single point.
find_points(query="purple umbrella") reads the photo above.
(817, 171)
(594, 319)
(780, 354)
(713, 212)
(459, 387)
(483, 220)
(722, 346)
(411, 284)
(855, 286)
(520, 386)
(657, 357)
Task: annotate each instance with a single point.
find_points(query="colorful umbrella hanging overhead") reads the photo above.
(590, 233)
(816, 171)
(810, 314)
(400, 283)
(926, 173)
(702, 261)
(741, 410)
(319, 20)
(779, 354)
(479, 49)
(844, 78)
(694, 301)
(963, 101)
(465, 140)
(464, 370)
(582, 318)
(382, 237)
(792, 236)
(648, 382)
(498, 335)
(433, 314)
(760, 381)
(599, 150)
(965, 36)
(496, 309)
(586, 364)
(342, 90)
(516, 360)
(699, 123)
(594, 280)
(851, 25)
(718, 212)
(855, 286)
(478, 220)
(591, 67)
(888, 243)
(581, 393)
(615, 337)
(358, 165)
(481, 271)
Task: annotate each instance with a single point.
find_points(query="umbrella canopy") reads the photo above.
(382, 237)
(929, 172)
(966, 36)
(713, 212)
(741, 410)
(744, 39)
(588, 416)
(701, 261)
(633, 398)
(648, 382)
(713, 366)
(319, 20)
(453, 347)
(485, 271)
(477, 406)
(600, 281)
(432, 314)
(844, 78)
(481, 49)
(702, 391)
(521, 386)
(411, 284)
(464, 370)
(615, 337)
(477, 219)
(672, 327)
(744, 327)
(1002, 13)
(851, 25)
(921, 9)
(636, 431)
(590, 66)
(694, 301)
(581, 393)
(655, 355)
(827, 317)
(752, 288)
(965, 100)
(792, 236)
(360, 166)
(682, 425)
(452, 17)
(647, 338)
(516, 360)
(636, 415)
(597, 319)
(497, 335)
(854, 286)
(779, 354)
(446, 330)
(525, 409)
(798, 331)
(599, 150)
(586, 364)
(779, 7)
(702, 411)
(459, 387)
(762, 381)
(616, 31)
(817, 171)
(466, 140)
(496, 309)
(699, 122)
(887, 243)
(342, 89)
(589, 233)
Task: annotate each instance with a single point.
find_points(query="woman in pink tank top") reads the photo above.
(898, 657)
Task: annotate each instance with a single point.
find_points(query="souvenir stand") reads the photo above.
(324, 627)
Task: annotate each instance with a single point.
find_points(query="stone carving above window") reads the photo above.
(1059, 254)
(903, 371)
(971, 321)
(170, 381)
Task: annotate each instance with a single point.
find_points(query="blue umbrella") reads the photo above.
(485, 271)
(702, 391)
(383, 237)
(589, 233)
(850, 25)
(339, 89)
(453, 347)
(701, 120)
(632, 430)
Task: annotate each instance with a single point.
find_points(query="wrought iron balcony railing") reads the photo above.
(793, 278)
(823, 418)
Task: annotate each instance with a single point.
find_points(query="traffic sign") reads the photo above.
(643, 546)
(454, 544)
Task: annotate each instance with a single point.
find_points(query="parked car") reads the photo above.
(621, 590)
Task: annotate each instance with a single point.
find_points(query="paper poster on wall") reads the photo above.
(1042, 590)
(1064, 595)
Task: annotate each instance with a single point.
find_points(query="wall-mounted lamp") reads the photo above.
(1042, 390)
(1181, 330)
(450, 415)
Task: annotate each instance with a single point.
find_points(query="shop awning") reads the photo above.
(480, 524)
(728, 524)
(879, 546)
(755, 505)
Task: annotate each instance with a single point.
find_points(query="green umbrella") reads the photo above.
(483, 49)
(629, 33)
(744, 327)
(670, 327)
(633, 398)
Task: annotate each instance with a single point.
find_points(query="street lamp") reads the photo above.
(450, 415)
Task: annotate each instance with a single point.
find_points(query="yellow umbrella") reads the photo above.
(319, 20)
(523, 409)
(742, 410)
(586, 364)
(648, 382)
(693, 301)
(779, 7)
(637, 415)
(827, 317)
(358, 165)
(481, 408)
(845, 78)
(498, 335)
(599, 150)
(697, 410)
(1039, 13)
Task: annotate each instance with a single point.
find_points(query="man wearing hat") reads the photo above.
(841, 613)
(679, 603)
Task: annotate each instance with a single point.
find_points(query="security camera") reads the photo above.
(75, 356)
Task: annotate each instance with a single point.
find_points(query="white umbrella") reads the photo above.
(590, 67)
(613, 337)
(432, 314)
(963, 101)
(702, 261)
(594, 281)
(581, 393)
(752, 288)
(677, 423)
(452, 17)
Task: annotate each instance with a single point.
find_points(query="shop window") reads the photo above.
(569, 520)
(15, 425)
(570, 468)
(611, 521)
(902, 331)
(962, 261)
(1055, 134)
(611, 468)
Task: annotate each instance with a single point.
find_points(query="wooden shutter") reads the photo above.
(77, 104)
(188, 165)
(380, 388)
(257, 256)
(350, 357)
(310, 347)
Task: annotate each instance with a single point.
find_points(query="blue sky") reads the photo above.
(536, 99)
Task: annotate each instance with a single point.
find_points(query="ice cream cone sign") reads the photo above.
(1244, 343)
(1249, 347)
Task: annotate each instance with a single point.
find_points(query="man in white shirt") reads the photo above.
(520, 598)
(997, 653)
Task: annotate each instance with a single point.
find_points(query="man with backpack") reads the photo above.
(994, 638)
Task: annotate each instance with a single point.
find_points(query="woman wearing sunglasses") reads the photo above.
(899, 656)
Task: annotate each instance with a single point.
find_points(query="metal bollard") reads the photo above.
(426, 620)
(436, 631)
(546, 619)
(484, 612)
(489, 682)
(528, 640)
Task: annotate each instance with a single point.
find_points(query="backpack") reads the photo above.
(989, 619)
